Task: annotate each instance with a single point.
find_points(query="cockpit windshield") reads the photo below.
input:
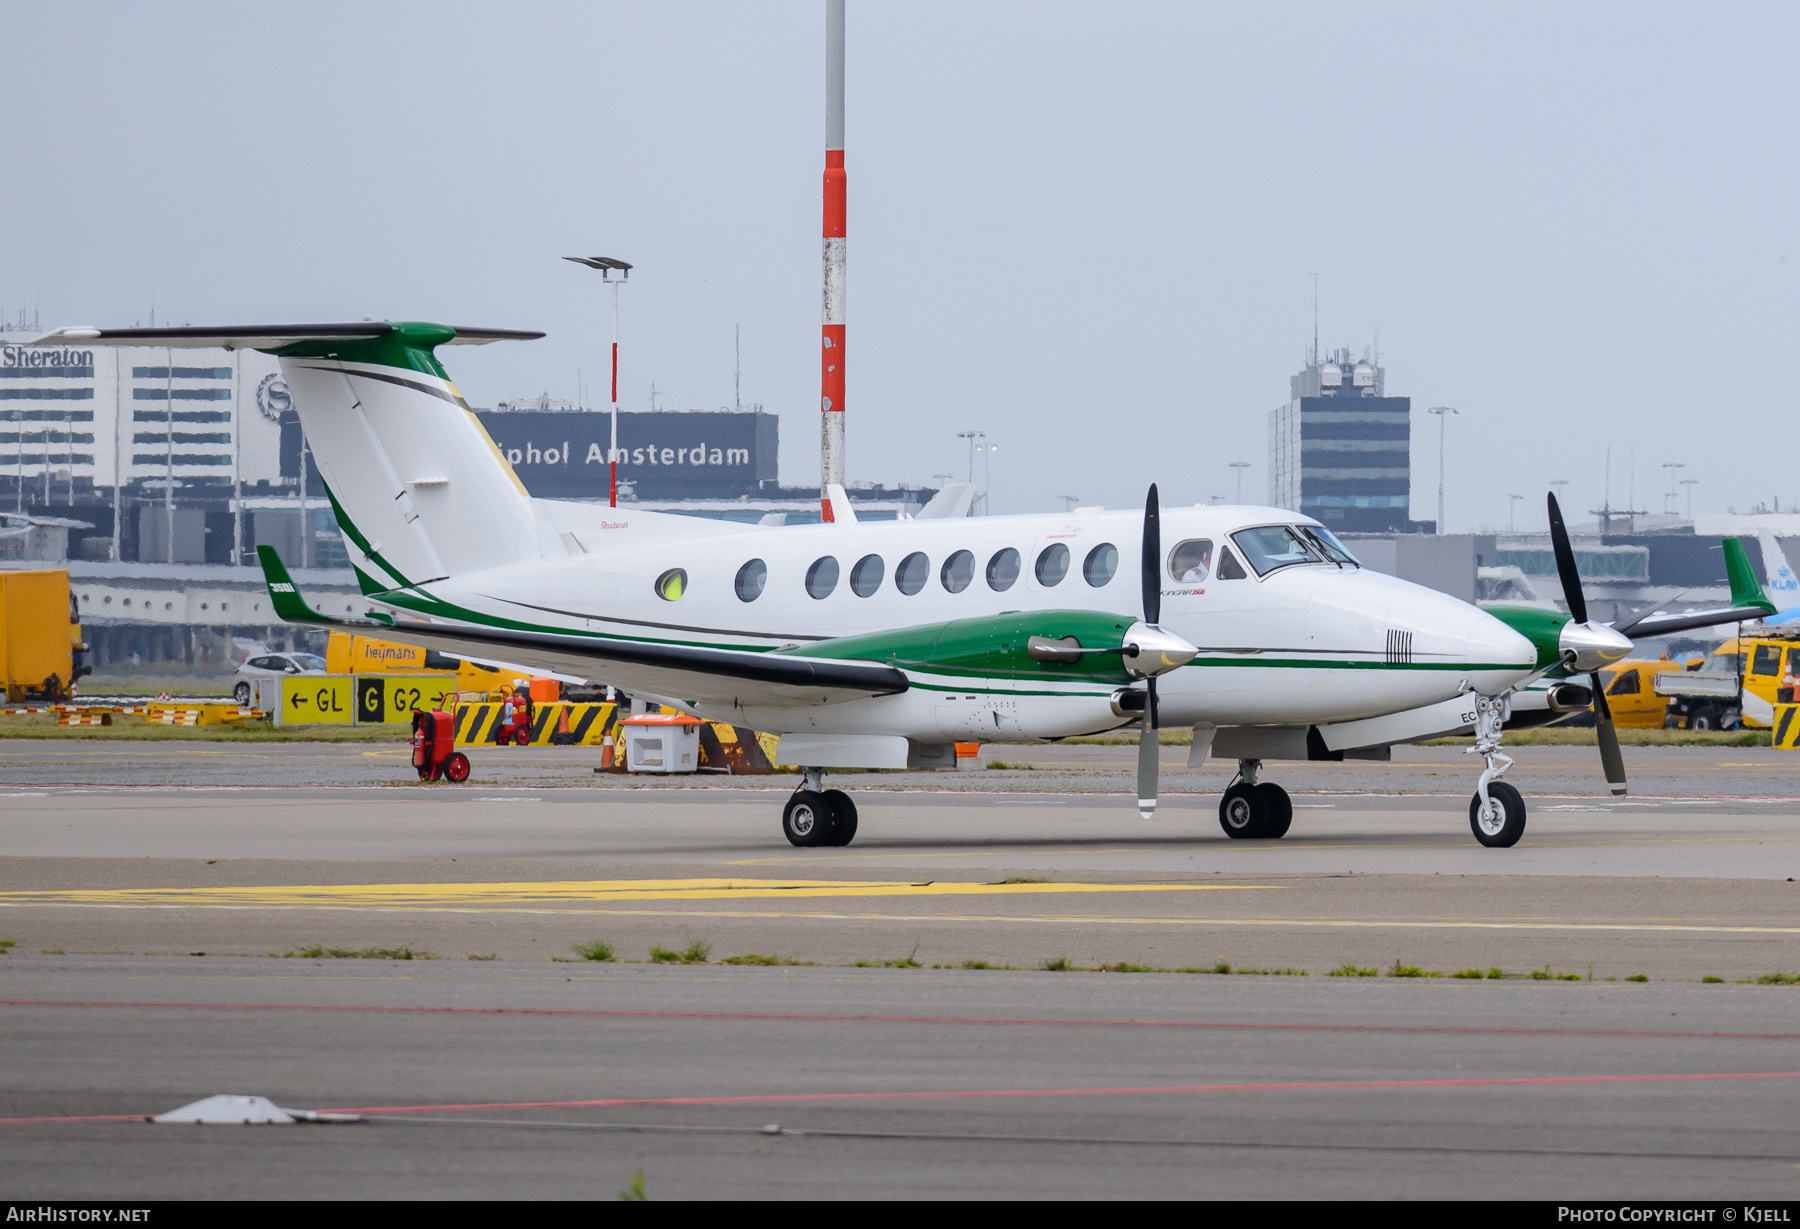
(1268, 547)
(1326, 543)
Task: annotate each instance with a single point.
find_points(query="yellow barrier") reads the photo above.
(588, 725)
(1787, 728)
(189, 714)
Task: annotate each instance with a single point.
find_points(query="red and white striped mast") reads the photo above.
(831, 394)
(607, 266)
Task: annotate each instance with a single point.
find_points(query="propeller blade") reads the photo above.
(1152, 560)
(1565, 564)
(1610, 757)
(1637, 617)
(1148, 750)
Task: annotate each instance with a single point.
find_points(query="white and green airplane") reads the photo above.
(880, 645)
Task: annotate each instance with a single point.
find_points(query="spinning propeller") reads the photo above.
(1151, 650)
(1587, 647)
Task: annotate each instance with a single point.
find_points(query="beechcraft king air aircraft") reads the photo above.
(879, 645)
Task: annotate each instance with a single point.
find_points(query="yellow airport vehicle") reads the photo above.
(1631, 693)
(40, 636)
(1737, 684)
(349, 653)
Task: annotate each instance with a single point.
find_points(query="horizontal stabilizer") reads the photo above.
(260, 336)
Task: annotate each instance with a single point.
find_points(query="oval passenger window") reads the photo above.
(1003, 570)
(1191, 561)
(958, 571)
(1052, 564)
(821, 577)
(866, 576)
(672, 584)
(913, 572)
(750, 580)
(1100, 565)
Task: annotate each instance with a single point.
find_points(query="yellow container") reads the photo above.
(35, 657)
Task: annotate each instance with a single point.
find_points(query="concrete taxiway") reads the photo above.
(118, 872)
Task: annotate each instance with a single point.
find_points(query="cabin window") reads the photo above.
(750, 580)
(1269, 547)
(1191, 561)
(1101, 563)
(1229, 567)
(1625, 685)
(958, 571)
(1052, 564)
(913, 572)
(672, 584)
(821, 577)
(866, 576)
(1003, 570)
(1767, 659)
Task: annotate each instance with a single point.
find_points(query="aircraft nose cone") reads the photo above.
(1492, 642)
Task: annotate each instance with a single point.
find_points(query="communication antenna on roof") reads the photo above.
(737, 367)
(1314, 356)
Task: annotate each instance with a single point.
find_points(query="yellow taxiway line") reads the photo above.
(501, 896)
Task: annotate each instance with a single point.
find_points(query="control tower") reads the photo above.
(1339, 449)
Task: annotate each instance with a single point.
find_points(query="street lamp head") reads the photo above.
(605, 264)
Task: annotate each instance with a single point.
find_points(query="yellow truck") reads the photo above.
(1631, 693)
(1738, 683)
(346, 653)
(40, 644)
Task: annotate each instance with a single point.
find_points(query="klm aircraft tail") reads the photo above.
(419, 489)
(1782, 586)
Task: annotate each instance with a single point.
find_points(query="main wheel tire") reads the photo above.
(1501, 830)
(456, 767)
(807, 819)
(241, 693)
(1281, 810)
(1244, 812)
(843, 817)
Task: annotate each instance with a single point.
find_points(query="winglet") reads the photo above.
(1744, 589)
(284, 594)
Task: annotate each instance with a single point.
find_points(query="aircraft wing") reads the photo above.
(1749, 602)
(259, 336)
(686, 672)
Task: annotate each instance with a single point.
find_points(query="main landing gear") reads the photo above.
(1253, 810)
(1497, 811)
(818, 816)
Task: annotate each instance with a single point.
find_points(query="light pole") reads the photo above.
(971, 436)
(1673, 495)
(607, 266)
(1512, 504)
(1443, 412)
(1240, 467)
(1690, 484)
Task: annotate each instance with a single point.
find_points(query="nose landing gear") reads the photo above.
(1497, 811)
(1253, 810)
(818, 816)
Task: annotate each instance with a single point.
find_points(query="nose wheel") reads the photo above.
(815, 816)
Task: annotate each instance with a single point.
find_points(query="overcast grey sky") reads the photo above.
(1088, 230)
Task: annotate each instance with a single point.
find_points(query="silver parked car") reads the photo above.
(273, 665)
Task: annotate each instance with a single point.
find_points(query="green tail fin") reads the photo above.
(1744, 589)
(284, 594)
